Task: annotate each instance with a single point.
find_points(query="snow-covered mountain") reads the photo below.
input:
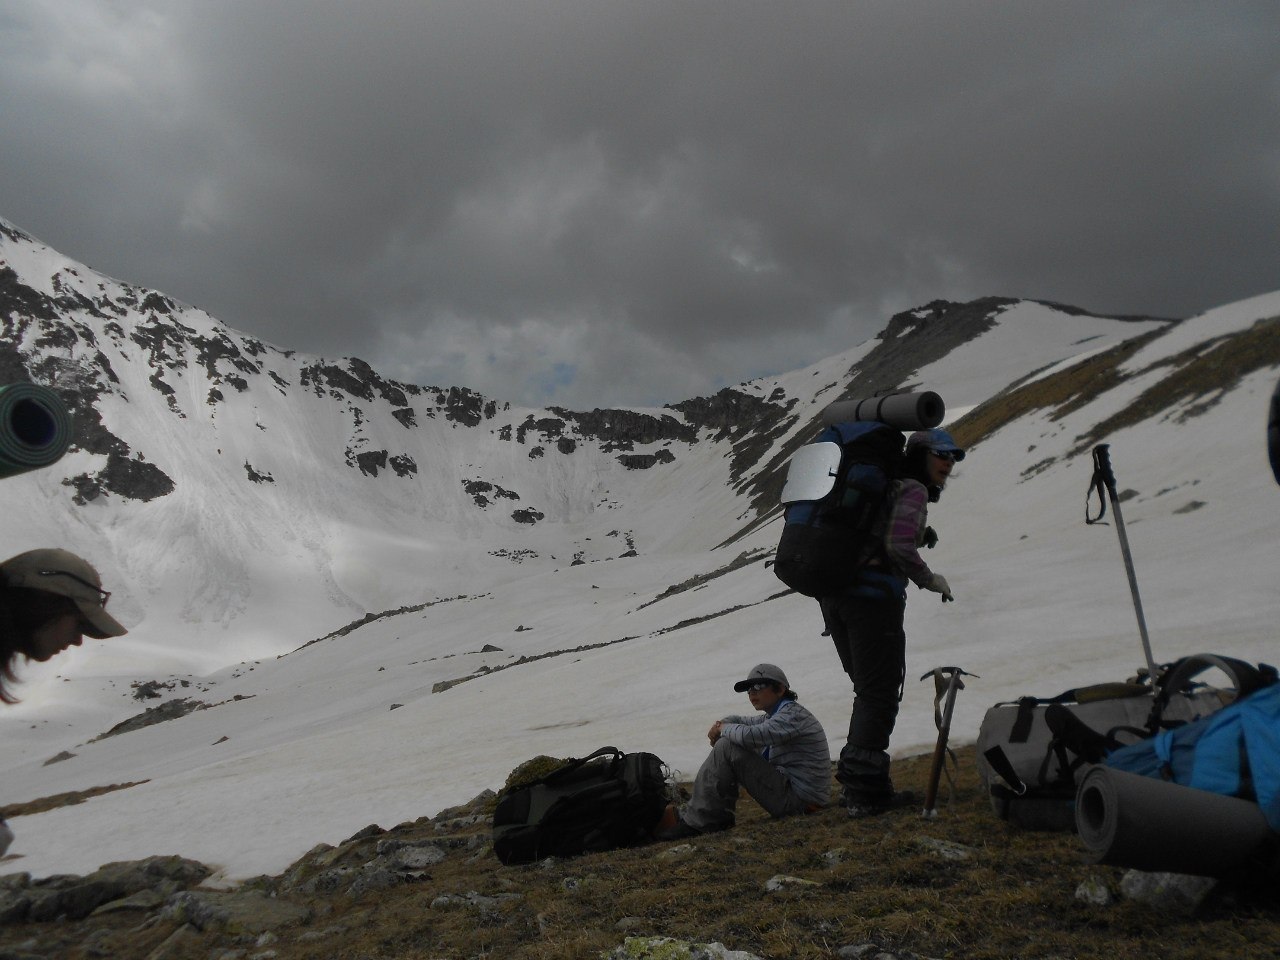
(365, 600)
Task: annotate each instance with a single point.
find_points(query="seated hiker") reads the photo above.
(780, 758)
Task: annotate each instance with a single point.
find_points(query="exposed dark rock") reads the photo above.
(628, 426)
(371, 461)
(643, 461)
(467, 407)
(550, 428)
(257, 477)
(404, 465)
(527, 515)
(132, 479)
(19, 301)
(406, 417)
(170, 710)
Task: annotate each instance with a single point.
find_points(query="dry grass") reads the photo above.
(1194, 382)
(1013, 896)
(60, 800)
(874, 882)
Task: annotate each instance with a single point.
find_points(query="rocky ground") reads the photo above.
(961, 885)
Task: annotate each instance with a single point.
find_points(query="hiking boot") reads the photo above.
(667, 821)
(863, 807)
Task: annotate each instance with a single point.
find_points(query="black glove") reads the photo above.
(930, 537)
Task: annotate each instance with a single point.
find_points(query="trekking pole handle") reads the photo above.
(1102, 468)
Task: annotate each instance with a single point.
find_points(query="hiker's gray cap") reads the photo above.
(63, 573)
(763, 672)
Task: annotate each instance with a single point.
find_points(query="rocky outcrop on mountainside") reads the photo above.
(81, 333)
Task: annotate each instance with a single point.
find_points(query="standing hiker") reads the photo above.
(781, 759)
(865, 620)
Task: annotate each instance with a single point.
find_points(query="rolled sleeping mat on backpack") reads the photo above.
(35, 428)
(1142, 823)
(906, 411)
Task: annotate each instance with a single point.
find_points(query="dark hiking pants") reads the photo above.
(872, 646)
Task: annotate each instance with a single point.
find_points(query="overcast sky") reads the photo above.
(633, 202)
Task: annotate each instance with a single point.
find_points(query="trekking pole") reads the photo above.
(946, 683)
(1105, 479)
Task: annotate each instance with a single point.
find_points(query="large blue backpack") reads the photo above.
(1234, 752)
(837, 488)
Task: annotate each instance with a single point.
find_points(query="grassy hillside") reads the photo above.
(961, 885)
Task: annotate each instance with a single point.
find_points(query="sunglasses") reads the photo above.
(103, 595)
(757, 687)
(949, 455)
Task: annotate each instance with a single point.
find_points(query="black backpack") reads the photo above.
(606, 800)
(837, 488)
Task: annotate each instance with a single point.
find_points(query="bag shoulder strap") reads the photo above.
(1178, 677)
(561, 772)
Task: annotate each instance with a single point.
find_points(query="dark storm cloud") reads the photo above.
(631, 202)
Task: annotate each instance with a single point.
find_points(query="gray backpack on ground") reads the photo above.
(1031, 751)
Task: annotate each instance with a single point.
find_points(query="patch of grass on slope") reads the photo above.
(1197, 379)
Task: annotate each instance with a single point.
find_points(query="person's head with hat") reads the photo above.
(930, 457)
(50, 599)
(766, 686)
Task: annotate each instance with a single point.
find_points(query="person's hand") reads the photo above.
(930, 538)
(714, 733)
(938, 584)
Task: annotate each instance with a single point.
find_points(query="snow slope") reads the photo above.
(562, 657)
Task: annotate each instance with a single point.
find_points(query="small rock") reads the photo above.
(1177, 892)
(946, 849)
(667, 948)
(416, 857)
(679, 850)
(177, 945)
(781, 883)
(375, 878)
(372, 830)
(1093, 889)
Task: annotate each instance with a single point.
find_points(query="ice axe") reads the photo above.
(1104, 480)
(946, 684)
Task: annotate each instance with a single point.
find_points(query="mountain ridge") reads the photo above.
(204, 391)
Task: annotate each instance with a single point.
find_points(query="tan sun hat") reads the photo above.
(63, 573)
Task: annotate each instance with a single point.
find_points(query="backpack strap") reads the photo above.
(1179, 676)
(561, 772)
